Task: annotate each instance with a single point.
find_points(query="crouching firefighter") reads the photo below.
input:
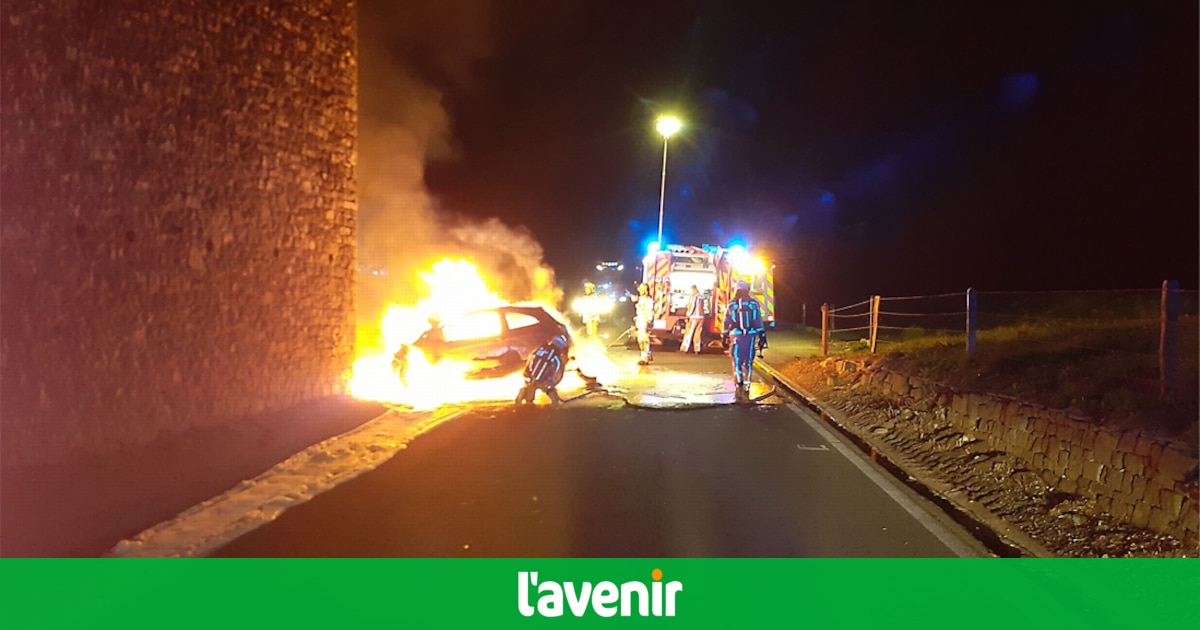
(544, 370)
(744, 327)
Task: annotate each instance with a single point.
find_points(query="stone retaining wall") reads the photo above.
(178, 215)
(1136, 478)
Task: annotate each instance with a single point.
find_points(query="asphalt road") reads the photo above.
(605, 479)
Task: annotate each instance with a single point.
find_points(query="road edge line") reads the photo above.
(1009, 536)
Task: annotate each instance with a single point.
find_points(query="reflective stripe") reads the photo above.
(660, 285)
(662, 298)
(743, 318)
(721, 299)
(769, 296)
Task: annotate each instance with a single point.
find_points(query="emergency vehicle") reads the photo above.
(611, 278)
(671, 272)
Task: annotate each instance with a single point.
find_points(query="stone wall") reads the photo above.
(177, 198)
(1136, 478)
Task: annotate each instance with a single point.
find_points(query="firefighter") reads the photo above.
(643, 318)
(590, 309)
(695, 324)
(544, 370)
(744, 327)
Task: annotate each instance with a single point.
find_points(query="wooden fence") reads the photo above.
(865, 317)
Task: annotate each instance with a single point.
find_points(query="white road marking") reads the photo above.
(885, 483)
(208, 526)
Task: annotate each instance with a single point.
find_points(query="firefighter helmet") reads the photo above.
(589, 288)
(742, 285)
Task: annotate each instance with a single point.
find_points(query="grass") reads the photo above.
(807, 332)
(1104, 366)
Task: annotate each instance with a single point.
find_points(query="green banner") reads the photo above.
(335, 593)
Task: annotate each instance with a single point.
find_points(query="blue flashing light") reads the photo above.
(653, 247)
(1020, 88)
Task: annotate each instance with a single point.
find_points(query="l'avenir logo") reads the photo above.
(606, 599)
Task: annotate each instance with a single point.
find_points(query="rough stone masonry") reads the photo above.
(177, 197)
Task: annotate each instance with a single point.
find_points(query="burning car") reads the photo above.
(501, 338)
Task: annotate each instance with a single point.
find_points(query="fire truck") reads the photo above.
(715, 271)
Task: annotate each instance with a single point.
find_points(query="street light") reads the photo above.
(666, 125)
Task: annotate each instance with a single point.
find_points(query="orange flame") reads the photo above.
(456, 288)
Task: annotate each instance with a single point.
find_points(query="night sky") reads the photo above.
(892, 148)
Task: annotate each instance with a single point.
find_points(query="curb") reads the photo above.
(211, 524)
(999, 536)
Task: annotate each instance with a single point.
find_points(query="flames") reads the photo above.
(455, 288)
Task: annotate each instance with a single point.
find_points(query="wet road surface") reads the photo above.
(602, 478)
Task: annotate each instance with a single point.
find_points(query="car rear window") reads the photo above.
(474, 326)
(520, 320)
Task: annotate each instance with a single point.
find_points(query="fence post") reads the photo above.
(1168, 355)
(825, 330)
(804, 314)
(874, 322)
(971, 323)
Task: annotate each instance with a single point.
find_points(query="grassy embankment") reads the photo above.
(1107, 367)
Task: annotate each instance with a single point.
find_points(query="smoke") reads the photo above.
(405, 50)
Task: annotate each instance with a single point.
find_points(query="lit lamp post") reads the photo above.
(666, 125)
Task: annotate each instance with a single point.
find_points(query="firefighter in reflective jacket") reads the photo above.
(589, 309)
(695, 325)
(744, 327)
(643, 318)
(544, 370)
